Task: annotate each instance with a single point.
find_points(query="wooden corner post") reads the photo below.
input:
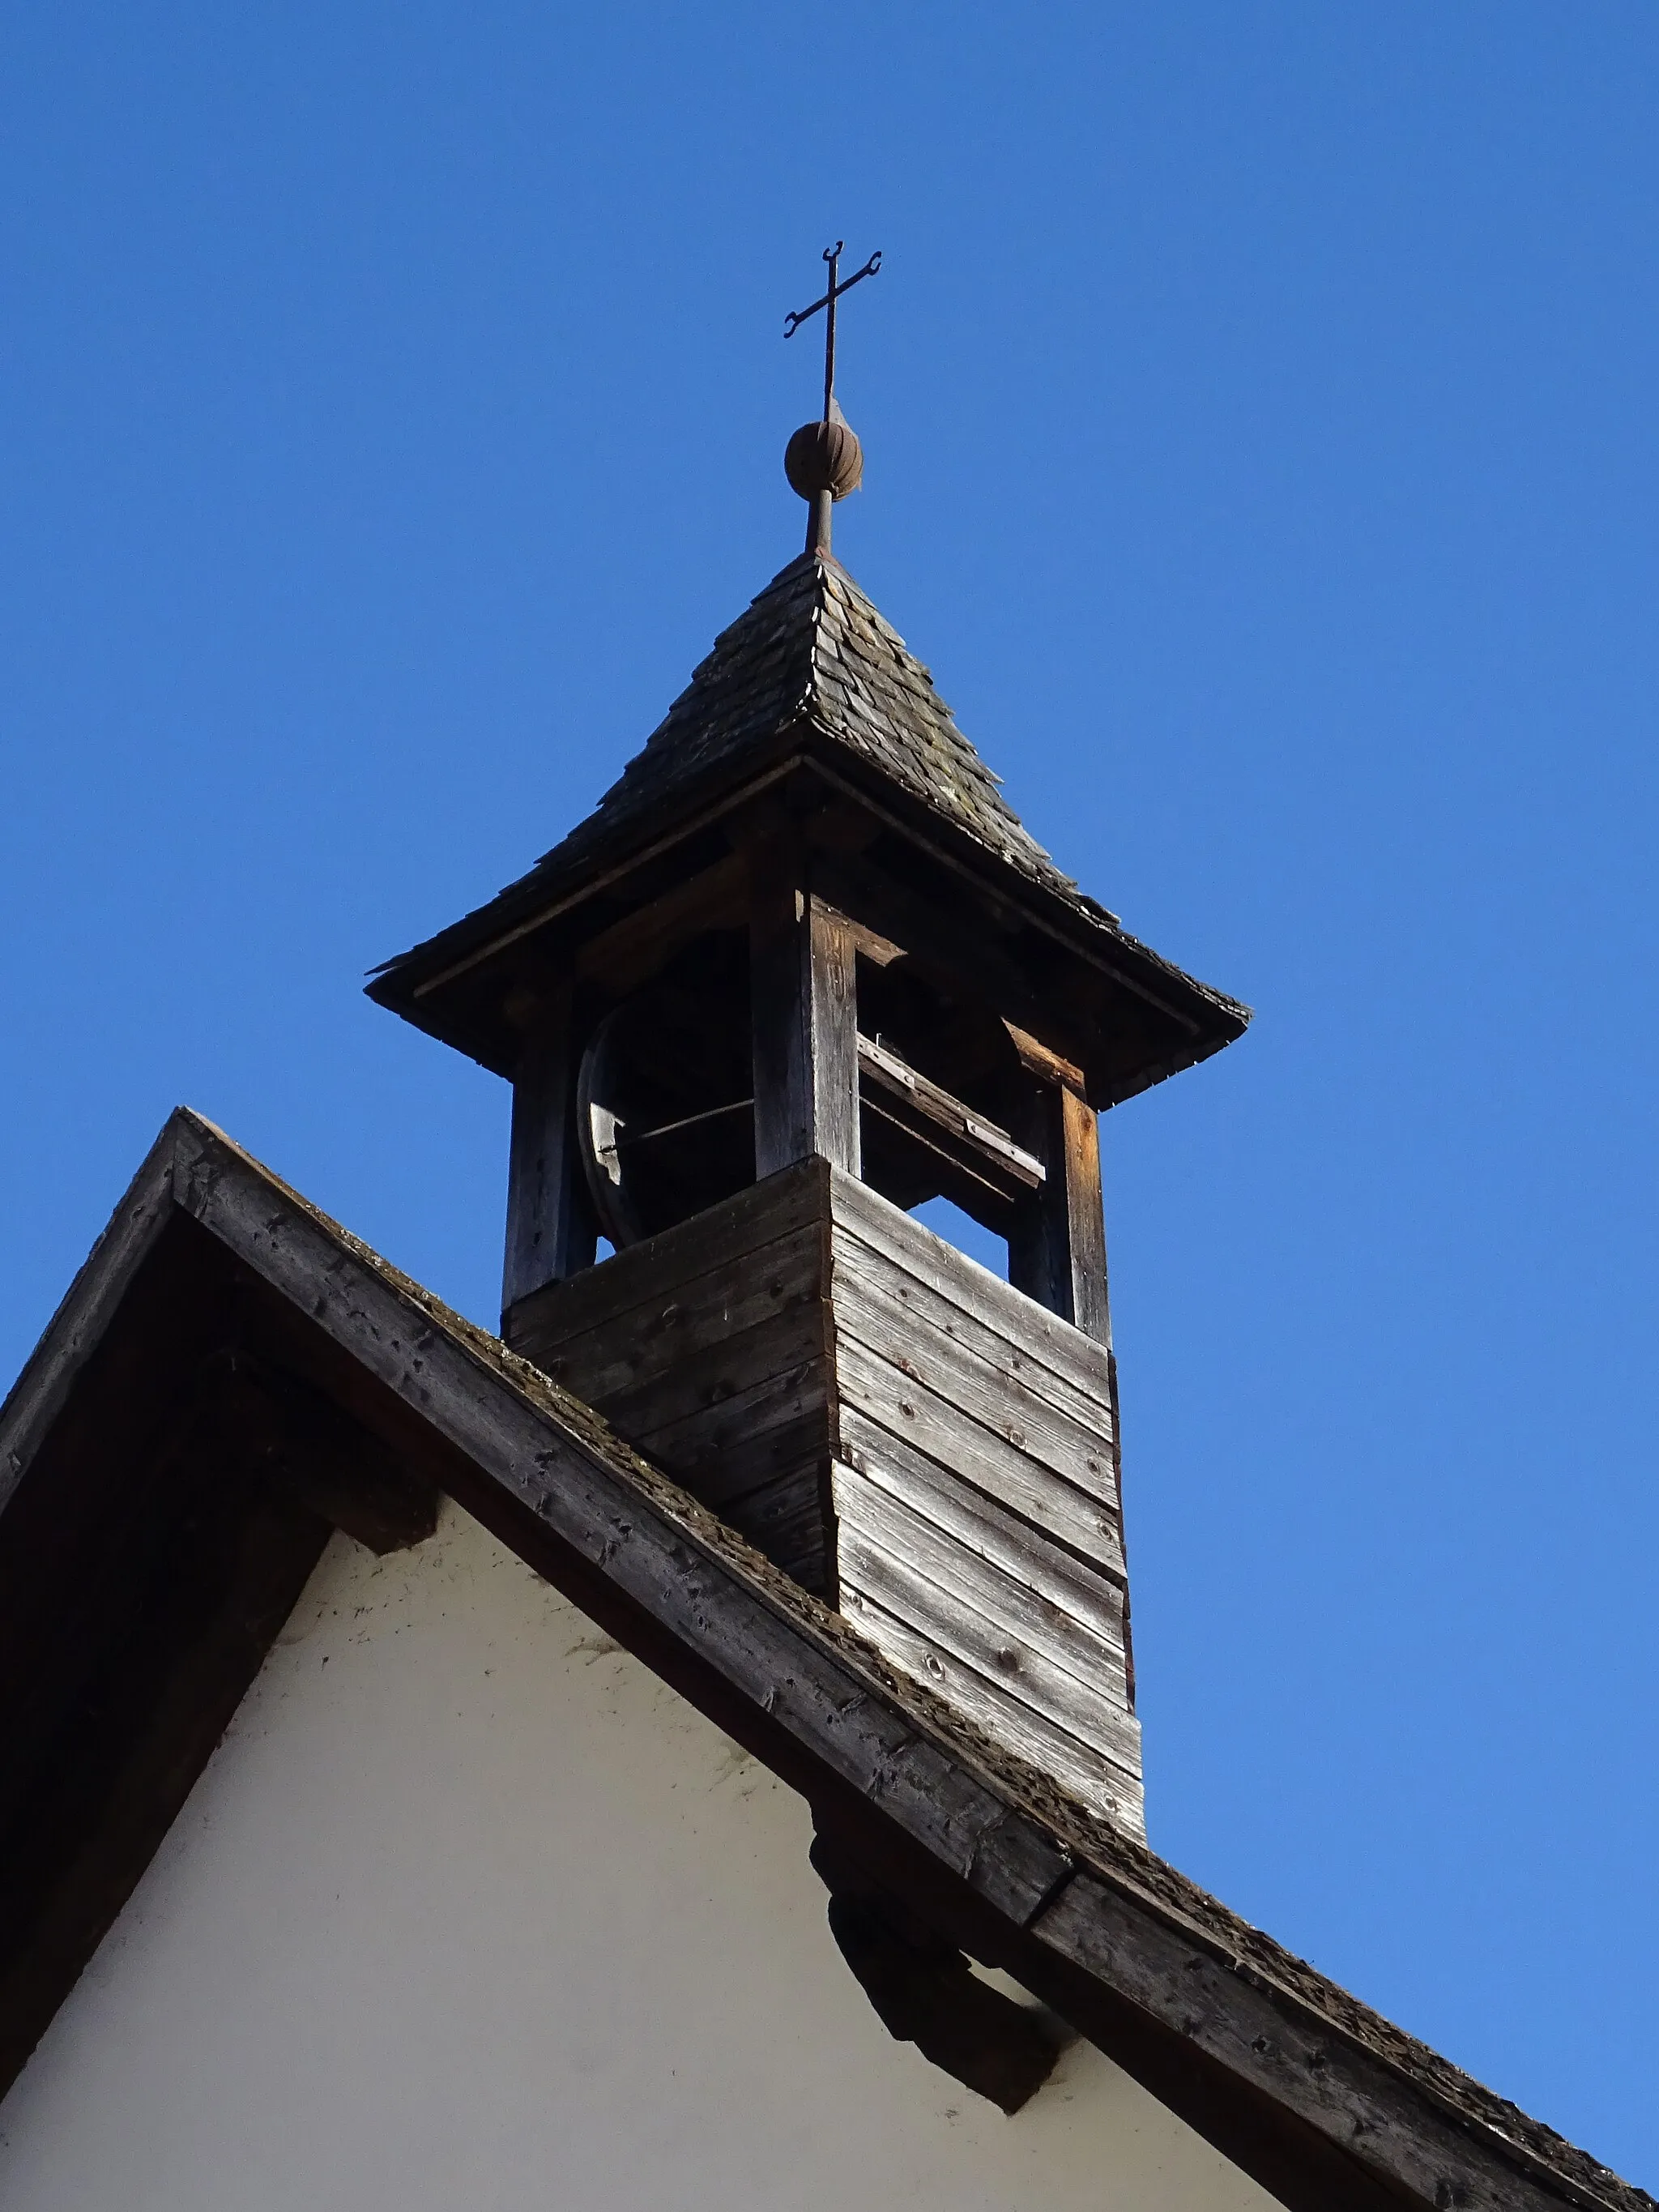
(803, 999)
(1057, 1252)
(550, 1231)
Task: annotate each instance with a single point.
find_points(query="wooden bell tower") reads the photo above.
(802, 970)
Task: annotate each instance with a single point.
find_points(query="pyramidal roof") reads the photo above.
(809, 668)
(812, 654)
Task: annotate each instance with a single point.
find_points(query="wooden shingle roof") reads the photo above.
(811, 682)
(811, 654)
(811, 673)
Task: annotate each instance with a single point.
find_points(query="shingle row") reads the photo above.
(812, 648)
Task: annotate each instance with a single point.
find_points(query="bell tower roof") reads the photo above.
(810, 673)
(813, 658)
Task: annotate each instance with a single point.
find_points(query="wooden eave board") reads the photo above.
(454, 986)
(430, 981)
(1324, 2102)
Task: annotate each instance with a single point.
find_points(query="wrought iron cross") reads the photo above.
(793, 323)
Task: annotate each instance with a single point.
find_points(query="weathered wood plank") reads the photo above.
(810, 1568)
(803, 993)
(1043, 1061)
(794, 1488)
(549, 1219)
(909, 1306)
(1092, 1778)
(717, 1469)
(971, 1521)
(1009, 1666)
(1041, 1335)
(910, 1411)
(982, 1392)
(720, 1372)
(1090, 1649)
(719, 1451)
(986, 1147)
(923, 1591)
(674, 1326)
(832, 974)
(781, 1014)
(750, 1219)
(1057, 1250)
(785, 1519)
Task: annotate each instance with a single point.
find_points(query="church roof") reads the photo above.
(813, 656)
(811, 670)
(232, 1373)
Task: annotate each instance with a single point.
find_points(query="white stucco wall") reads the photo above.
(469, 1912)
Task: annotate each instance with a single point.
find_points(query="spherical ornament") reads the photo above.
(823, 457)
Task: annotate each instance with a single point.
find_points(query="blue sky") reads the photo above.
(1259, 405)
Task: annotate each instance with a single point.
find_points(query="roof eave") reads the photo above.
(408, 984)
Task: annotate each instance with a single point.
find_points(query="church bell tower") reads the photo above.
(801, 970)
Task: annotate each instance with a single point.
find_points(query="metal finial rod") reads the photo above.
(832, 255)
(791, 323)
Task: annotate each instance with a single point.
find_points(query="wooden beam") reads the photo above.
(924, 1991)
(803, 998)
(1043, 1060)
(985, 1149)
(551, 1231)
(633, 949)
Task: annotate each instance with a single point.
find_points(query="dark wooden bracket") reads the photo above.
(924, 1989)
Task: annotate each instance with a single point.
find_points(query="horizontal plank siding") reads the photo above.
(977, 1526)
(990, 1399)
(785, 1519)
(981, 1529)
(677, 1321)
(706, 1379)
(721, 1451)
(1038, 1334)
(1092, 1650)
(706, 1348)
(906, 1302)
(1095, 1781)
(1009, 1670)
(754, 1217)
(980, 1460)
(894, 1428)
